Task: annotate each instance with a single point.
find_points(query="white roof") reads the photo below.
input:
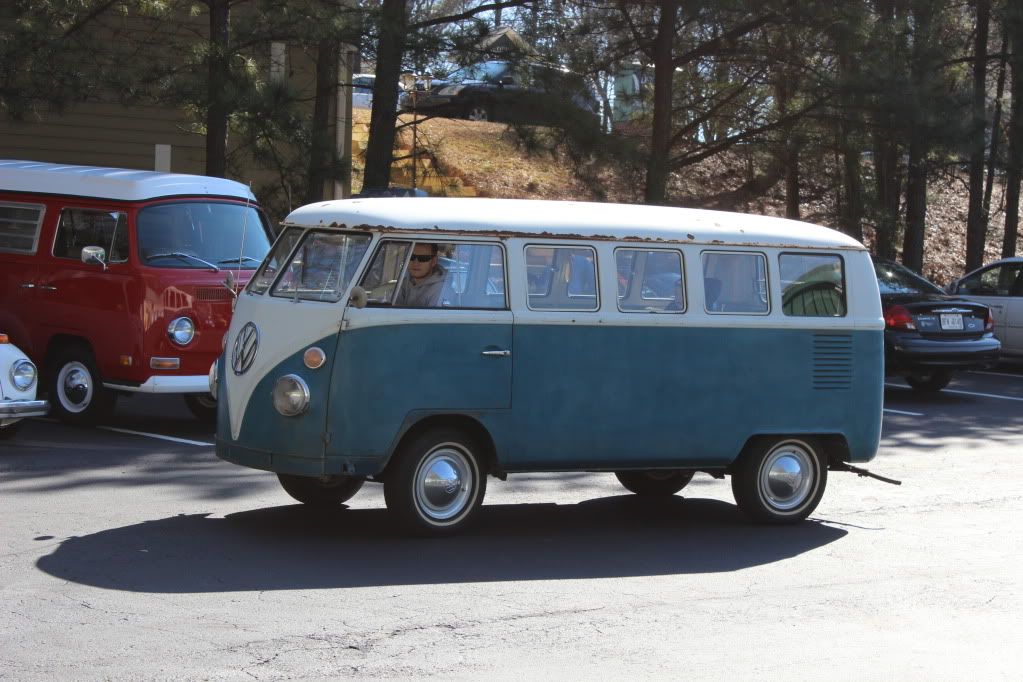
(121, 184)
(568, 219)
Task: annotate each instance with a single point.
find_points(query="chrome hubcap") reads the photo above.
(443, 483)
(787, 476)
(74, 387)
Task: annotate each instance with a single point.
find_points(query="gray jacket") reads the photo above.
(422, 294)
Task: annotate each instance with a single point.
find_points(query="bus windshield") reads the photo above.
(202, 234)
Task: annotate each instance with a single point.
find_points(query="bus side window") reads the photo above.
(743, 282)
(813, 285)
(562, 278)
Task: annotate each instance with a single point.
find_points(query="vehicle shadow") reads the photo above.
(293, 547)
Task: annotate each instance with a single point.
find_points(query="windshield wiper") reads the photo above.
(243, 259)
(179, 254)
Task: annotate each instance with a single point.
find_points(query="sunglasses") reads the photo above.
(421, 258)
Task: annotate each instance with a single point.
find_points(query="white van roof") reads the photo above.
(120, 184)
(569, 219)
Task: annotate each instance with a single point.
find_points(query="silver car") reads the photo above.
(999, 285)
(18, 381)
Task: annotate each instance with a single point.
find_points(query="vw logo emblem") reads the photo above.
(245, 345)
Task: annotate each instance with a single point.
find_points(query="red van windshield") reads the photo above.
(202, 234)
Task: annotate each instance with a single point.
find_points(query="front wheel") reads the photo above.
(655, 483)
(203, 406)
(321, 491)
(479, 112)
(437, 482)
(780, 480)
(929, 382)
(76, 390)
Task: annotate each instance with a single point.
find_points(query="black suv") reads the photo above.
(498, 90)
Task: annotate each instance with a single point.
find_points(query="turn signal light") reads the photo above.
(4, 339)
(897, 317)
(164, 363)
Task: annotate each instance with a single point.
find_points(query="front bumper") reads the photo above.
(198, 383)
(904, 353)
(19, 409)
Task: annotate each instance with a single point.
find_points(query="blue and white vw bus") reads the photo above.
(649, 342)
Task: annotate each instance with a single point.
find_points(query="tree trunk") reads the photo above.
(888, 182)
(664, 75)
(996, 129)
(321, 153)
(976, 220)
(1014, 169)
(390, 48)
(916, 204)
(219, 76)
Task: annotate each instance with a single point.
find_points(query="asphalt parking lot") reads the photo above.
(129, 551)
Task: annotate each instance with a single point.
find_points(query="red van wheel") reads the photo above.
(202, 405)
(76, 390)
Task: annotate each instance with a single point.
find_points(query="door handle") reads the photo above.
(28, 285)
(496, 353)
(47, 287)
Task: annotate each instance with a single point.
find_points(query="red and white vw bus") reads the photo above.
(115, 281)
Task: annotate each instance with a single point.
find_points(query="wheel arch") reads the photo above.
(834, 446)
(461, 422)
(58, 342)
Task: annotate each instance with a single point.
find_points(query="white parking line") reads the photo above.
(998, 374)
(156, 435)
(958, 392)
(908, 414)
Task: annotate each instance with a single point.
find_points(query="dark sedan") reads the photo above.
(510, 91)
(928, 333)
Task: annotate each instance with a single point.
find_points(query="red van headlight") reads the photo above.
(181, 331)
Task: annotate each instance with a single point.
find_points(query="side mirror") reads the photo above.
(359, 297)
(229, 283)
(94, 254)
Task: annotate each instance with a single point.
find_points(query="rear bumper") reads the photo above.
(19, 409)
(904, 353)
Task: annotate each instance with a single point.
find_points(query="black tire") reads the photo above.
(780, 480)
(929, 382)
(321, 491)
(10, 431)
(203, 406)
(436, 483)
(76, 391)
(655, 482)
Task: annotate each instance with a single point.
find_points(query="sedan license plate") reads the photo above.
(951, 321)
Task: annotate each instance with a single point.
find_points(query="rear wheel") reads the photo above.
(76, 389)
(655, 482)
(321, 491)
(929, 382)
(203, 406)
(437, 482)
(780, 480)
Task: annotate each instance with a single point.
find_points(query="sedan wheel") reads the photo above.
(929, 382)
(478, 112)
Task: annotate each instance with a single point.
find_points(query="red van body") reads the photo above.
(146, 311)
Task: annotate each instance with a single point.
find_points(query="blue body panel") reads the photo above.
(570, 397)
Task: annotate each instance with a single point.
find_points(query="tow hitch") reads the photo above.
(842, 466)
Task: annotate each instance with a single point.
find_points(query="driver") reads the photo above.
(424, 279)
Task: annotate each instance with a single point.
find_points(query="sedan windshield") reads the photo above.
(487, 71)
(893, 278)
(207, 235)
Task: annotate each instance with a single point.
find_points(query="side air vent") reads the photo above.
(832, 362)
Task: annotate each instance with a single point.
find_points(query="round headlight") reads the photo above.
(181, 331)
(23, 375)
(291, 395)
